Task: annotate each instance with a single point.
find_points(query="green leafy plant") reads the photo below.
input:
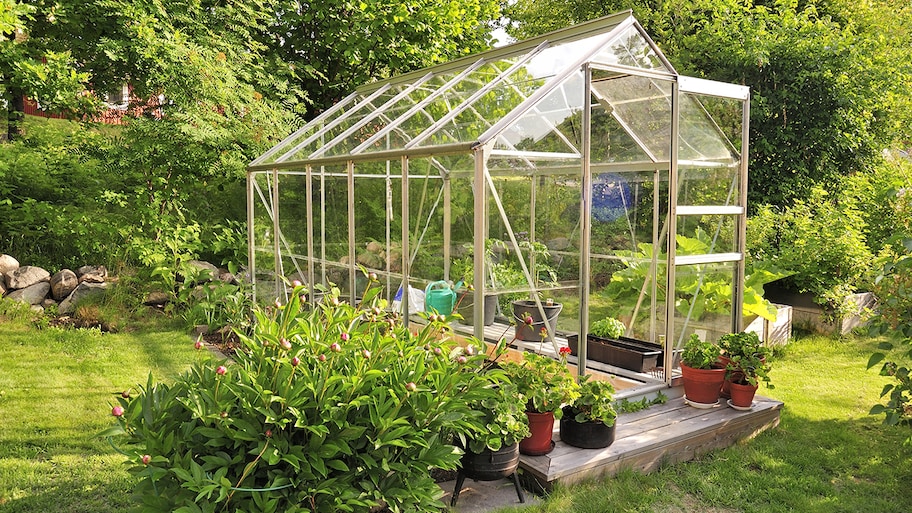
(608, 327)
(544, 381)
(627, 406)
(594, 402)
(333, 408)
(745, 343)
(748, 369)
(502, 417)
(700, 354)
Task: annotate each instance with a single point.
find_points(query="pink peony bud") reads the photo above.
(125, 394)
(344, 336)
(335, 347)
(366, 353)
(411, 387)
(528, 320)
(438, 351)
(461, 360)
(221, 370)
(285, 343)
(296, 283)
(198, 344)
(146, 459)
(322, 358)
(295, 361)
(223, 415)
(117, 411)
(372, 276)
(268, 433)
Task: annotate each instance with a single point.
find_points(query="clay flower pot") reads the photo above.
(702, 385)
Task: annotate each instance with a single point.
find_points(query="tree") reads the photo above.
(831, 82)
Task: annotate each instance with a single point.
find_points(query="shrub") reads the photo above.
(328, 408)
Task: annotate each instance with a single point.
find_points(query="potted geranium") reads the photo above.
(547, 384)
(589, 421)
(744, 346)
(701, 372)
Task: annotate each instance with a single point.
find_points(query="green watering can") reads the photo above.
(439, 297)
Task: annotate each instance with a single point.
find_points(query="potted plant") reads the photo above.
(465, 268)
(745, 344)
(606, 343)
(589, 421)
(492, 452)
(701, 371)
(546, 384)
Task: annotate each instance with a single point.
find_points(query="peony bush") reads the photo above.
(327, 408)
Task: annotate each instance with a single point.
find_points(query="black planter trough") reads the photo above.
(626, 353)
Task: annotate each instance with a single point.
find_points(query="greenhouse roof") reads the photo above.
(516, 97)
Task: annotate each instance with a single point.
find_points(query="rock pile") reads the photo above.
(37, 287)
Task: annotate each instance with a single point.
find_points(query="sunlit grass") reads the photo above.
(57, 389)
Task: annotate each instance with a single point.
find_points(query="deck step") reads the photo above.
(663, 434)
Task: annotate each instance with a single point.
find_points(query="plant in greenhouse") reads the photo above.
(336, 408)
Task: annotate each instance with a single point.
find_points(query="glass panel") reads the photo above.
(426, 227)
(630, 48)
(356, 115)
(378, 224)
(293, 227)
(386, 116)
(263, 238)
(553, 124)
(331, 225)
(704, 235)
(703, 301)
(442, 105)
(310, 129)
(642, 105)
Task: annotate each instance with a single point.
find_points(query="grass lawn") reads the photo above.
(56, 391)
(827, 455)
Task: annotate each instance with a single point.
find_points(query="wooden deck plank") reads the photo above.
(645, 440)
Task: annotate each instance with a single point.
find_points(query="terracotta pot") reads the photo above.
(586, 435)
(539, 442)
(742, 395)
(702, 385)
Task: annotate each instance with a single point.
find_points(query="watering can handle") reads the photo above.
(434, 284)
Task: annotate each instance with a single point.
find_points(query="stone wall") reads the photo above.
(41, 289)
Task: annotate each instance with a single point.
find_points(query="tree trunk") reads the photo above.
(15, 113)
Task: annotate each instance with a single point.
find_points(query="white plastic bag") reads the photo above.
(415, 300)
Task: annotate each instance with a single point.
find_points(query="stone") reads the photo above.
(92, 273)
(38, 309)
(47, 303)
(26, 276)
(63, 283)
(7, 264)
(2, 285)
(228, 278)
(33, 294)
(156, 298)
(208, 271)
(81, 292)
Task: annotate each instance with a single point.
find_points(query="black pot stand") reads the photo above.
(489, 466)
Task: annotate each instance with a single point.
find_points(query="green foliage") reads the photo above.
(894, 291)
(337, 408)
(820, 239)
(503, 415)
(594, 402)
(544, 381)
(609, 327)
(627, 406)
(700, 354)
(748, 358)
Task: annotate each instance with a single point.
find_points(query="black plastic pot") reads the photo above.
(586, 435)
(467, 308)
(489, 465)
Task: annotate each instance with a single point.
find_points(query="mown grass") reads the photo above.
(827, 455)
(56, 391)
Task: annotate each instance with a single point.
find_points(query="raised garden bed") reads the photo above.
(627, 353)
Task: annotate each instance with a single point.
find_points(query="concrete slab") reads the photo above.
(484, 496)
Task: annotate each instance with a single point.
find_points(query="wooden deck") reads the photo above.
(663, 434)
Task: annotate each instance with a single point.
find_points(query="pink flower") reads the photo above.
(411, 387)
(344, 336)
(199, 343)
(322, 358)
(335, 347)
(295, 361)
(117, 411)
(296, 283)
(146, 459)
(221, 370)
(438, 351)
(366, 353)
(285, 343)
(461, 360)
(268, 433)
(528, 320)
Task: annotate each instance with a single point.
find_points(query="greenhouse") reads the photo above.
(576, 175)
